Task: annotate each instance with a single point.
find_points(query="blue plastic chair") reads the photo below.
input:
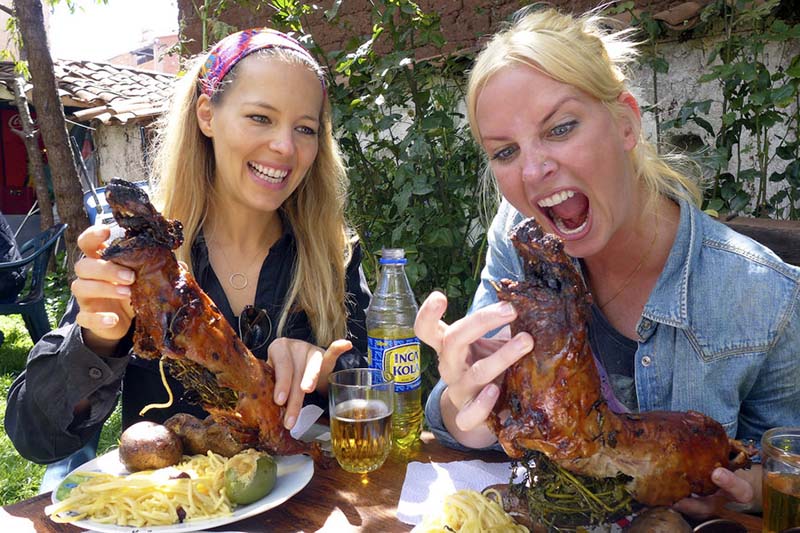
(36, 255)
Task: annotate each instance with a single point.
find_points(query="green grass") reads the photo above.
(19, 478)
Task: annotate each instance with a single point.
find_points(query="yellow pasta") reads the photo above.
(150, 498)
(170, 399)
(468, 511)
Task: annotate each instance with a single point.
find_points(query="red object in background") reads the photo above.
(16, 196)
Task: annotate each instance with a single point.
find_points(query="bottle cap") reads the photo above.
(393, 256)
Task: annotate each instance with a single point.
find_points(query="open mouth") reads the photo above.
(268, 174)
(568, 210)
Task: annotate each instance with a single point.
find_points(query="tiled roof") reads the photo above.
(106, 92)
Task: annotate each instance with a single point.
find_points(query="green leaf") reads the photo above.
(787, 152)
(715, 204)
(728, 190)
(794, 68)
(421, 186)
(706, 125)
(776, 177)
(784, 95)
(439, 237)
(660, 65)
(740, 201)
(728, 118)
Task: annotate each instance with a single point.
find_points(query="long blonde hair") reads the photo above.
(183, 174)
(578, 51)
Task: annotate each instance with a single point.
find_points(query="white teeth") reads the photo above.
(269, 174)
(565, 230)
(556, 198)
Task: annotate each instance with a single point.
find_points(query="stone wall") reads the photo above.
(464, 22)
(119, 153)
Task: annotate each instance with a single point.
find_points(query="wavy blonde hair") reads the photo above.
(183, 175)
(580, 52)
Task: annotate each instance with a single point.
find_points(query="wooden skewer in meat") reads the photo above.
(551, 399)
(175, 319)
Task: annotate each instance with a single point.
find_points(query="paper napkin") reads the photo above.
(427, 484)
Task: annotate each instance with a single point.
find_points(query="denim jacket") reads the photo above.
(720, 333)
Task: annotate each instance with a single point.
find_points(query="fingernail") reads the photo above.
(124, 290)
(492, 390)
(290, 422)
(524, 343)
(718, 475)
(125, 275)
(506, 309)
(281, 398)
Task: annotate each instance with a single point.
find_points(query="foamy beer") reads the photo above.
(361, 401)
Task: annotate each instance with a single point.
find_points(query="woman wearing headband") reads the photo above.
(246, 160)
(548, 103)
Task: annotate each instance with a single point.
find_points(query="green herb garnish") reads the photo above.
(562, 500)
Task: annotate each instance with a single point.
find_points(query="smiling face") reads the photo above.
(561, 156)
(264, 131)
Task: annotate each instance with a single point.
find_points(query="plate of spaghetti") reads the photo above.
(102, 496)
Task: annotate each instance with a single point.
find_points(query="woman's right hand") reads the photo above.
(102, 291)
(470, 364)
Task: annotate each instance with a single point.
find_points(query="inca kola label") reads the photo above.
(401, 358)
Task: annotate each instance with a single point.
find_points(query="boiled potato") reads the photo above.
(660, 520)
(149, 446)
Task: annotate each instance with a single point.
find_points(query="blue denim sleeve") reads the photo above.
(774, 399)
(502, 261)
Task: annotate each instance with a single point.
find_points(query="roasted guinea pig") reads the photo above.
(551, 400)
(177, 321)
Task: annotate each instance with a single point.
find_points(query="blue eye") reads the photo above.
(261, 119)
(305, 130)
(504, 153)
(563, 129)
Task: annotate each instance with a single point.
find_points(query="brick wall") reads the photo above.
(463, 22)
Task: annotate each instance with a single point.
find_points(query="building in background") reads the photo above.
(158, 54)
(109, 110)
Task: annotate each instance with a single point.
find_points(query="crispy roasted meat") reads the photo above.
(551, 399)
(176, 320)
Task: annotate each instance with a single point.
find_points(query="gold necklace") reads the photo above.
(635, 270)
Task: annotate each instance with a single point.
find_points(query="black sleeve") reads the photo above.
(358, 296)
(60, 372)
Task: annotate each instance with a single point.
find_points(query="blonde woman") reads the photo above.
(247, 162)
(687, 314)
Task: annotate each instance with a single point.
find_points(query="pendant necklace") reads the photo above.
(237, 280)
(635, 270)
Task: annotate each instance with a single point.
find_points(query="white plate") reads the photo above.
(294, 473)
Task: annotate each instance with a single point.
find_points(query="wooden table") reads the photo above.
(334, 501)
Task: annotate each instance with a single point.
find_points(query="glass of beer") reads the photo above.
(780, 459)
(361, 401)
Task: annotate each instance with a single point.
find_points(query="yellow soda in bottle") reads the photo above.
(395, 350)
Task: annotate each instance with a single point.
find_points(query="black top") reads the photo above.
(61, 370)
(616, 352)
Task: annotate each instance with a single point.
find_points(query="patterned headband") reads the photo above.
(230, 50)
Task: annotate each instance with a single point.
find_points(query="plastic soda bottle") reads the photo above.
(394, 349)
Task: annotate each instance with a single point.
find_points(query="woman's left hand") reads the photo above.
(742, 488)
(301, 368)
